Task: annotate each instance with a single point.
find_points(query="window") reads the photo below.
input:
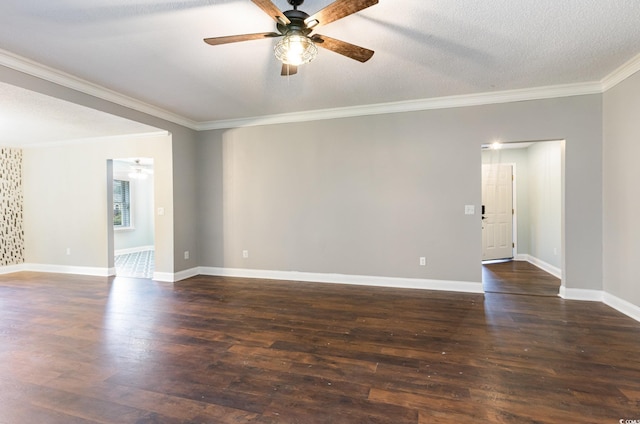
(121, 204)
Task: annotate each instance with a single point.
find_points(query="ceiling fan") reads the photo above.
(298, 44)
(140, 170)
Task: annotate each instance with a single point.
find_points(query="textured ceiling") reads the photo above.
(153, 51)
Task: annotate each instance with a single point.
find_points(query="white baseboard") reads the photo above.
(63, 269)
(581, 294)
(620, 305)
(132, 250)
(551, 269)
(188, 273)
(10, 269)
(92, 271)
(612, 301)
(406, 283)
(623, 306)
(563, 292)
(165, 277)
(171, 277)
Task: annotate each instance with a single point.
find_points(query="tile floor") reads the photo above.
(135, 265)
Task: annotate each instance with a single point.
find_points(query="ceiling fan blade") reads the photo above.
(338, 10)
(214, 41)
(288, 70)
(342, 47)
(272, 10)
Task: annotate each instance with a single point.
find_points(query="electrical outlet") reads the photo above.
(245, 254)
(68, 251)
(423, 261)
(186, 254)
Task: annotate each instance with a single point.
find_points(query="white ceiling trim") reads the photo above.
(412, 105)
(64, 79)
(38, 70)
(621, 74)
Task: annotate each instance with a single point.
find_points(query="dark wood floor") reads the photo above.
(518, 277)
(222, 350)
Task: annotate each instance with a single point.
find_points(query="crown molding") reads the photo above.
(448, 102)
(38, 70)
(55, 76)
(621, 74)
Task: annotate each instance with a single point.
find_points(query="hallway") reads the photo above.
(518, 277)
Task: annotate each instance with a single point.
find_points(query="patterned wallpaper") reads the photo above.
(11, 204)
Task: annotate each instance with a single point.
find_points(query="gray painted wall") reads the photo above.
(545, 202)
(185, 224)
(621, 199)
(369, 195)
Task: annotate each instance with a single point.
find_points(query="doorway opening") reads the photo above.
(133, 217)
(522, 217)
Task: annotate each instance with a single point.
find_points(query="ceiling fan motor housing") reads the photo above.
(297, 18)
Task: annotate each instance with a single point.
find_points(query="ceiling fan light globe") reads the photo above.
(296, 49)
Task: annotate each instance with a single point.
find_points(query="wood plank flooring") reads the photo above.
(221, 350)
(518, 277)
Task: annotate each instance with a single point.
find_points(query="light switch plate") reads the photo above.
(469, 209)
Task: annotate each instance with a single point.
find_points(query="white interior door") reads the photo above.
(497, 213)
